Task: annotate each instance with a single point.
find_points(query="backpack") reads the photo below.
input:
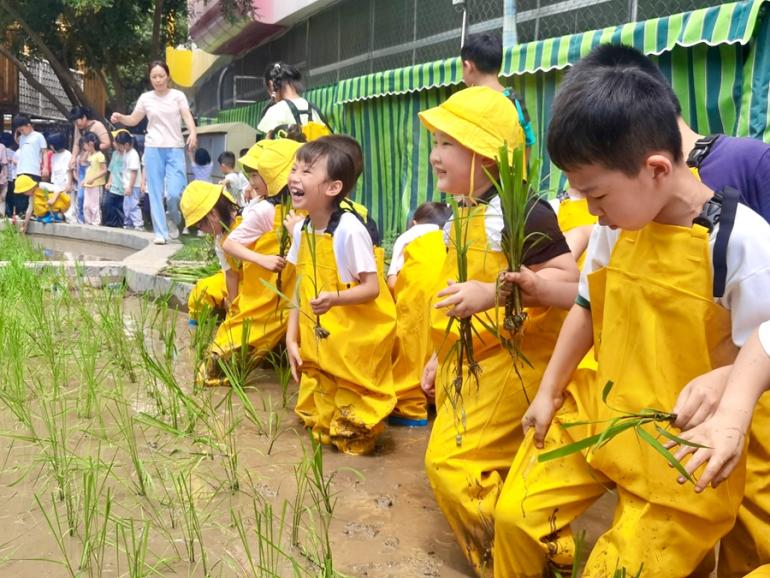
(310, 128)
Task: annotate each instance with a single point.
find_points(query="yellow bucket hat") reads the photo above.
(24, 184)
(199, 198)
(273, 160)
(479, 118)
(120, 130)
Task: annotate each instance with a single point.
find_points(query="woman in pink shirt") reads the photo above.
(164, 158)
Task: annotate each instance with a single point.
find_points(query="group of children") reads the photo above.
(673, 283)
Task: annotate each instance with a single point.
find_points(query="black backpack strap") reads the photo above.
(700, 150)
(730, 198)
(295, 112)
(346, 207)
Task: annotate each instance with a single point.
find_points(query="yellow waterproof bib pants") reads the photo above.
(762, 572)
(40, 206)
(467, 479)
(423, 263)
(256, 307)
(346, 389)
(656, 327)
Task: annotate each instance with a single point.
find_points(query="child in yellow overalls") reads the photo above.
(665, 296)
(48, 203)
(256, 243)
(212, 210)
(467, 462)
(341, 331)
(416, 262)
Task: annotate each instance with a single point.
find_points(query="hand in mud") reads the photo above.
(540, 414)
(295, 361)
(529, 286)
(325, 301)
(466, 299)
(699, 399)
(725, 435)
(291, 220)
(428, 379)
(272, 263)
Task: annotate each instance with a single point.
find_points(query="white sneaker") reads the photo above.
(139, 229)
(173, 230)
(159, 241)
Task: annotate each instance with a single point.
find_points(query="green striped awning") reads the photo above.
(731, 23)
(724, 24)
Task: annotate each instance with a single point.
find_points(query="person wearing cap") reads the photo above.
(467, 459)
(49, 202)
(260, 318)
(211, 209)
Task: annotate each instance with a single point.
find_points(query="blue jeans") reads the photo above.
(81, 179)
(166, 172)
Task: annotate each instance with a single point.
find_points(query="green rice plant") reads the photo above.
(127, 430)
(460, 355)
(284, 235)
(14, 392)
(310, 238)
(626, 421)
(96, 508)
(300, 495)
(324, 502)
(226, 434)
(235, 379)
(86, 354)
(201, 338)
(190, 519)
(14, 245)
(59, 534)
(578, 559)
(190, 273)
(109, 307)
(272, 424)
(278, 359)
(135, 546)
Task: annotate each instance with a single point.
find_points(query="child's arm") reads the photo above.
(724, 433)
(292, 343)
(27, 215)
(272, 263)
(575, 340)
(231, 282)
(392, 282)
(368, 289)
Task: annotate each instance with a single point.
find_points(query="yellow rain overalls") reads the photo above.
(256, 306)
(467, 478)
(762, 572)
(656, 327)
(40, 206)
(573, 213)
(748, 543)
(423, 263)
(346, 388)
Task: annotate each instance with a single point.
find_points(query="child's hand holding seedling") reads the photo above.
(325, 301)
(700, 398)
(466, 299)
(292, 220)
(273, 263)
(528, 282)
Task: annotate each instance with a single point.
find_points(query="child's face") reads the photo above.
(618, 200)
(211, 224)
(257, 182)
(310, 186)
(25, 129)
(452, 164)
(89, 147)
(225, 169)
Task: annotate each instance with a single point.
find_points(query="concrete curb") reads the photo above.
(140, 270)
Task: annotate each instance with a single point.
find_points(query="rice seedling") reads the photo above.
(279, 361)
(127, 430)
(578, 558)
(190, 520)
(460, 356)
(310, 238)
(272, 423)
(135, 546)
(96, 509)
(86, 354)
(626, 421)
(57, 530)
(111, 322)
(284, 235)
(319, 490)
(298, 504)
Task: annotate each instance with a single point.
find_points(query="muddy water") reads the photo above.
(64, 249)
(385, 522)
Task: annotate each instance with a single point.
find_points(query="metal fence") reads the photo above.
(33, 102)
(356, 37)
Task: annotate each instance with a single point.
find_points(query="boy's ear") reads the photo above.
(659, 165)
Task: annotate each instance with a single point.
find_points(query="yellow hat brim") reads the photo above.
(467, 133)
(24, 184)
(199, 198)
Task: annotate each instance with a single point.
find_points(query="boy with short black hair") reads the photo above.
(482, 57)
(32, 145)
(233, 182)
(667, 294)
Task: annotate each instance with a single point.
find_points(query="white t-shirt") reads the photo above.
(747, 294)
(131, 162)
(60, 170)
(13, 165)
(31, 148)
(353, 248)
(280, 114)
(164, 117)
(220, 252)
(256, 220)
(414, 232)
(493, 224)
(764, 336)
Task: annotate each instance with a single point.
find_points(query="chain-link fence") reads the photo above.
(357, 37)
(32, 102)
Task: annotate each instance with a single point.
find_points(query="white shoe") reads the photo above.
(159, 241)
(139, 229)
(173, 230)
